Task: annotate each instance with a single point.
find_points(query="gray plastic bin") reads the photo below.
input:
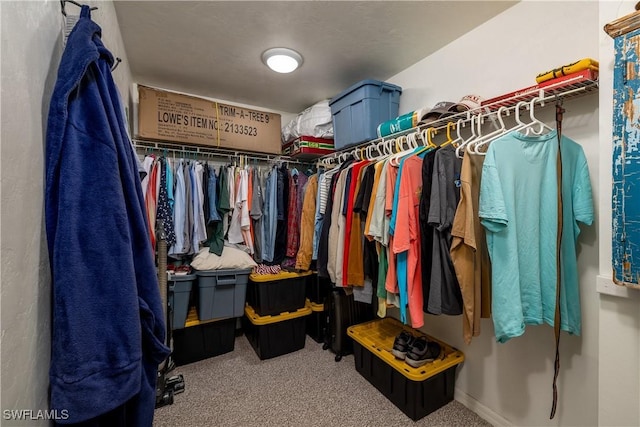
(179, 292)
(221, 293)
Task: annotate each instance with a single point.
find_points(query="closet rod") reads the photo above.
(216, 152)
(63, 3)
(486, 111)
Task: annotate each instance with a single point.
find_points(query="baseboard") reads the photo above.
(483, 411)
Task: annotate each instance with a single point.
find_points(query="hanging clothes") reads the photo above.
(169, 178)
(245, 218)
(187, 247)
(444, 292)
(521, 222)
(352, 264)
(179, 212)
(336, 231)
(164, 213)
(293, 220)
(108, 327)
(469, 252)
(323, 240)
(270, 220)
(205, 194)
(256, 214)
(307, 226)
(213, 196)
(146, 166)
(240, 196)
(321, 195)
(426, 229)
(362, 207)
(280, 245)
(151, 200)
(199, 225)
(216, 239)
(406, 238)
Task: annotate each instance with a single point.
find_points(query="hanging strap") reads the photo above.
(557, 320)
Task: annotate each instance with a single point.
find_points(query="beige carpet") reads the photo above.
(304, 388)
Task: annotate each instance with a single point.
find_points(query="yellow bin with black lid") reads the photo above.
(416, 391)
(275, 335)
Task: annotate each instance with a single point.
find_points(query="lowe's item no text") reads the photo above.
(179, 293)
(271, 294)
(416, 391)
(221, 293)
(272, 336)
(359, 110)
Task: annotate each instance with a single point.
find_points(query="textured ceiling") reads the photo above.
(213, 48)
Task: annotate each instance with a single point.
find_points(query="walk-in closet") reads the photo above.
(319, 213)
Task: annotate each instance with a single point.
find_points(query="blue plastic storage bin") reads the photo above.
(359, 110)
(221, 293)
(179, 293)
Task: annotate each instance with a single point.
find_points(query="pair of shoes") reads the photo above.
(416, 351)
(422, 351)
(402, 344)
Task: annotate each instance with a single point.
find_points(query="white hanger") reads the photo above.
(412, 138)
(522, 126)
(394, 159)
(487, 138)
(476, 132)
(459, 141)
(535, 120)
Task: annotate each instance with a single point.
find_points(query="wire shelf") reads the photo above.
(560, 89)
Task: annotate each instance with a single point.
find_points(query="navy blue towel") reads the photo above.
(108, 327)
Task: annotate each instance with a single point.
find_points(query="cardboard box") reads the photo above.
(173, 117)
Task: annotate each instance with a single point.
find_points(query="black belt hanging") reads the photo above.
(557, 320)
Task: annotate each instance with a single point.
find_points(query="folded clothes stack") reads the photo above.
(178, 270)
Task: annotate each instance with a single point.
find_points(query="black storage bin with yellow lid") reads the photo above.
(271, 294)
(317, 322)
(201, 340)
(272, 336)
(318, 288)
(416, 391)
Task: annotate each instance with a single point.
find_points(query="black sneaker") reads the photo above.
(422, 351)
(402, 344)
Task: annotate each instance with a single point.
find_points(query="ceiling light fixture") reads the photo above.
(282, 59)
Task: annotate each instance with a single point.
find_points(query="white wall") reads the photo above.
(619, 374)
(511, 383)
(31, 50)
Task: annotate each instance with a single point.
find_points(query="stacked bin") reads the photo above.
(415, 391)
(208, 328)
(318, 289)
(179, 295)
(275, 315)
(358, 110)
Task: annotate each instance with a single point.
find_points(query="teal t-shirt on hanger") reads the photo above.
(518, 208)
